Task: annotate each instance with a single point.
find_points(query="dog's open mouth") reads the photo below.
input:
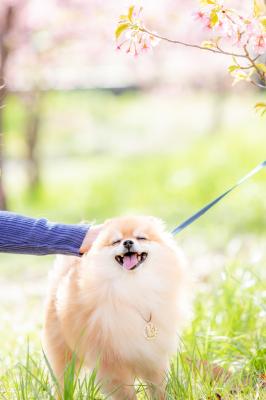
(131, 260)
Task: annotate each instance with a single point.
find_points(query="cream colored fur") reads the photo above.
(98, 309)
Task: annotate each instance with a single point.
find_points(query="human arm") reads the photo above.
(24, 235)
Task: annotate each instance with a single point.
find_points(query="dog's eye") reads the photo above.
(116, 242)
(141, 238)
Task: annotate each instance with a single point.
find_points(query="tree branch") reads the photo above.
(252, 62)
(217, 51)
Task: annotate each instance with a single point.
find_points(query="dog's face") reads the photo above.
(129, 240)
(131, 244)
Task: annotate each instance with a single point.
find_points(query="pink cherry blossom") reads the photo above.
(199, 15)
(136, 42)
(225, 27)
(238, 29)
(260, 44)
(204, 18)
(130, 43)
(133, 39)
(137, 16)
(230, 32)
(252, 26)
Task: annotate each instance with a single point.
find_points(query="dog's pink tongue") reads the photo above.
(130, 262)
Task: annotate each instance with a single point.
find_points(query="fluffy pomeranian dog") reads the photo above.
(120, 307)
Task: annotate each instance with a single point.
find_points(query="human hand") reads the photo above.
(91, 235)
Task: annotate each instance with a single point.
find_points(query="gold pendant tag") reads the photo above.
(150, 331)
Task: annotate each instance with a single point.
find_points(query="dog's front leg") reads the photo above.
(118, 383)
(156, 383)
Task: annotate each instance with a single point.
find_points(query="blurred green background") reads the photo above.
(102, 155)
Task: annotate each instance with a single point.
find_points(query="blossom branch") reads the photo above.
(196, 46)
(253, 64)
(247, 32)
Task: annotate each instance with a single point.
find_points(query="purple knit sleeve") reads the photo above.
(19, 234)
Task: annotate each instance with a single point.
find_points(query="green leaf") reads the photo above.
(130, 13)
(233, 68)
(260, 108)
(260, 105)
(261, 67)
(259, 8)
(208, 44)
(120, 29)
(214, 18)
(123, 18)
(263, 22)
(242, 76)
(207, 2)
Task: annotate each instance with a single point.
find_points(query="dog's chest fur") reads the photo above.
(107, 320)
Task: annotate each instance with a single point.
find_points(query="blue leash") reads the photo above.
(203, 210)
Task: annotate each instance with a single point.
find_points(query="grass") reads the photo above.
(228, 330)
(135, 160)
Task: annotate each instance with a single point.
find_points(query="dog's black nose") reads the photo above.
(128, 244)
